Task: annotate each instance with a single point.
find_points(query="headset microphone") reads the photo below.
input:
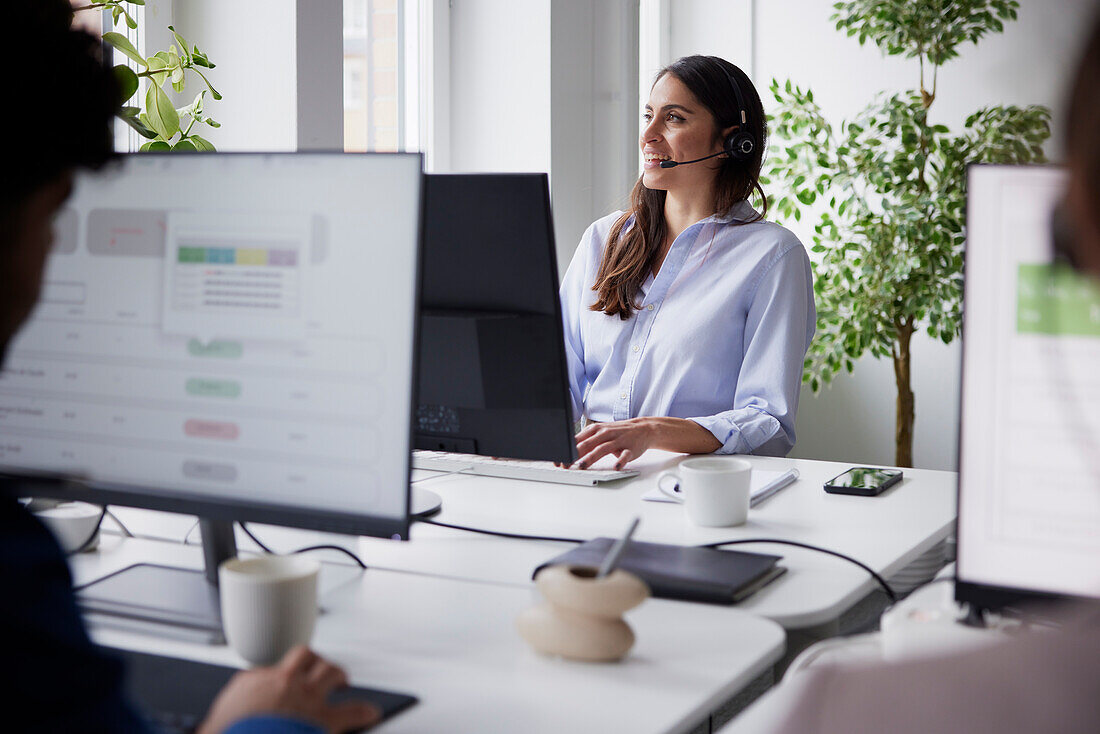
(673, 164)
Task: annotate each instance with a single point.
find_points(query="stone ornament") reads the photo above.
(581, 618)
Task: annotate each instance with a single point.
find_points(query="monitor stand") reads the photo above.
(164, 595)
(424, 503)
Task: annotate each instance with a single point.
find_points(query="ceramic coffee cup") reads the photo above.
(269, 604)
(714, 491)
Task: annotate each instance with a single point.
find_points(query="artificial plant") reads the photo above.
(889, 187)
(166, 126)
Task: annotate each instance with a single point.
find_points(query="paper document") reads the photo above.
(762, 485)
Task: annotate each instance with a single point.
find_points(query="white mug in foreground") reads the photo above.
(269, 604)
(714, 491)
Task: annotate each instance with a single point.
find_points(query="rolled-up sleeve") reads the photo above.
(779, 326)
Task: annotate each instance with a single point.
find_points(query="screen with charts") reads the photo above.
(229, 326)
(1029, 499)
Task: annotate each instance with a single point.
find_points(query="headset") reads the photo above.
(739, 144)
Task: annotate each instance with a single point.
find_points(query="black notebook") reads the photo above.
(683, 572)
(174, 694)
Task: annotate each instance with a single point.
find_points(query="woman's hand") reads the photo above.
(629, 439)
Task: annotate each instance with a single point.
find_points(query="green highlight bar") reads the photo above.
(220, 349)
(191, 255)
(208, 388)
(1056, 301)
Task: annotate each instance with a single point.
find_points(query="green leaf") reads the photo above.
(155, 146)
(161, 114)
(158, 65)
(202, 143)
(126, 80)
(185, 145)
(198, 58)
(213, 92)
(131, 116)
(123, 44)
(184, 46)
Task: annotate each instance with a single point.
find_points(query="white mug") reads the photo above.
(714, 491)
(269, 604)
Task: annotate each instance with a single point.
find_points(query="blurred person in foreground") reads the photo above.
(55, 679)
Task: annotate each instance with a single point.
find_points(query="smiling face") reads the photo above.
(678, 127)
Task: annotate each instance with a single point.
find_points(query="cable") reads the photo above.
(441, 476)
(881, 581)
(265, 549)
(191, 530)
(91, 538)
(499, 534)
(125, 530)
(255, 540)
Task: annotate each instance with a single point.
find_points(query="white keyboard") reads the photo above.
(537, 471)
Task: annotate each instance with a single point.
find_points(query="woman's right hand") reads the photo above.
(298, 687)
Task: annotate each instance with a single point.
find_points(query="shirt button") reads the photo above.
(649, 307)
(622, 396)
(636, 348)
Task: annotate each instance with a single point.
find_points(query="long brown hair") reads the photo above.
(629, 256)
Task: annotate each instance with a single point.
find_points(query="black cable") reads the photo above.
(343, 550)
(265, 549)
(91, 538)
(497, 533)
(125, 530)
(255, 540)
(881, 581)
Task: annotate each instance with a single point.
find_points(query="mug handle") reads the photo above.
(673, 494)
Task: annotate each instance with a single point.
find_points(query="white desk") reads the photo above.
(887, 532)
(453, 644)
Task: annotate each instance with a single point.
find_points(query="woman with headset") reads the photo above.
(687, 318)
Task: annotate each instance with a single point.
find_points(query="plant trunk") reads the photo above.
(903, 435)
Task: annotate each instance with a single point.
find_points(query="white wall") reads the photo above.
(499, 85)
(253, 43)
(712, 28)
(595, 113)
(853, 420)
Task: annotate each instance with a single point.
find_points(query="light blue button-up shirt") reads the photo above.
(719, 337)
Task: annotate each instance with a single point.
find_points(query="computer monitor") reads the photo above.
(230, 336)
(492, 377)
(1029, 467)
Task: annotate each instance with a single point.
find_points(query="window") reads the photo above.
(377, 106)
(98, 22)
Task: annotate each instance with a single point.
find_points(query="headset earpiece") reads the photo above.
(740, 145)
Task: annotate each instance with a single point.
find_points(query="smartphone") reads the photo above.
(864, 481)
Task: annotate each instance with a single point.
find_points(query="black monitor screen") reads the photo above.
(492, 364)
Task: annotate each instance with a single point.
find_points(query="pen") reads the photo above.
(789, 478)
(612, 558)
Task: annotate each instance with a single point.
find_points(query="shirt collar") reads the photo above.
(741, 211)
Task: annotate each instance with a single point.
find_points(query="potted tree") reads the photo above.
(889, 239)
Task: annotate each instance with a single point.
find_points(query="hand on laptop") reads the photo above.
(629, 439)
(298, 686)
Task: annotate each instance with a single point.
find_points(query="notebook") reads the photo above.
(683, 572)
